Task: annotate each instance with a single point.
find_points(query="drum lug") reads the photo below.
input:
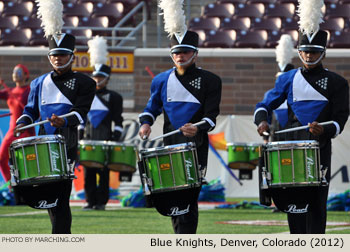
(323, 172)
(146, 182)
(14, 176)
(265, 177)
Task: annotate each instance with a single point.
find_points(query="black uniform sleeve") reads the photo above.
(212, 102)
(86, 93)
(117, 118)
(339, 103)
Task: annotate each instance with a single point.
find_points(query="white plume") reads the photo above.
(284, 50)
(174, 17)
(98, 50)
(310, 14)
(50, 12)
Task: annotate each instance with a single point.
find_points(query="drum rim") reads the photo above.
(174, 147)
(38, 140)
(236, 143)
(114, 143)
(297, 143)
(92, 142)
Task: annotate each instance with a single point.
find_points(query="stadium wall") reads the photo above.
(246, 73)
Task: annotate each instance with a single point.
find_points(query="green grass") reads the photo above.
(147, 221)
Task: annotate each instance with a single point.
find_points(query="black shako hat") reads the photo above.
(62, 43)
(189, 42)
(101, 70)
(316, 42)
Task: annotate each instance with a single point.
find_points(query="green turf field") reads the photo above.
(116, 220)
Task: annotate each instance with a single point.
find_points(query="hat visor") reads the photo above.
(60, 52)
(100, 74)
(311, 49)
(182, 49)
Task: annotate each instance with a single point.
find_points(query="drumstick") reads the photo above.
(4, 115)
(45, 121)
(176, 131)
(302, 127)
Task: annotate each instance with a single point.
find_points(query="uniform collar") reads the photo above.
(190, 69)
(317, 69)
(56, 75)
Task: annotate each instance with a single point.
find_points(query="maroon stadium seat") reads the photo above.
(290, 24)
(78, 9)
(274, 37)
(266, 23)
(235, 2)
(81, 36)
(30, 22)
(37, 38)
(221, 10)
(71, 21)
(114, 12)
(201, 37)
(251, 39)
(333, 24)
(9, 22)
(295, 2)
(262, 1)
(18, 9)
(237, 24)
(222, 39)
(99, 22)
(340, 40)
(286, 10)
(204, 23)
(10, 37)
(334, 10)
(251, 10)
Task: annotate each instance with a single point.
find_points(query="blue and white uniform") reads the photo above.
(312, 95)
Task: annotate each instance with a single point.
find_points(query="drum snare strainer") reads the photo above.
(293, 163)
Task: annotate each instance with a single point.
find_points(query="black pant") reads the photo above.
(60, 216)
(186, 223)
(96, 195)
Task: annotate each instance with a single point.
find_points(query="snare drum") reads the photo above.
(39, 160)
(293, 163)
(122, 157)
(92, 153)
(238, 155)
(171, 168)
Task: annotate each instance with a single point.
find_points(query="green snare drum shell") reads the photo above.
(306, 172)
(238, 156)
(36, 166)
(122, 158)
(92, 154)
(170, 168)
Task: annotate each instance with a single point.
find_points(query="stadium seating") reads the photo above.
(202, 36)
(251, 39)
(238, 24)
(338, 10)
(114, 12)
(251, 10)
(78, 9)
(18, 9)
(340, 40)
(29, 22)
(266, 23)
(205, 23)
(221, 10)
(10, 37)
(274, 37)
(285, 10)
(37, 38)
(9, 22)
(333, 24)
(223, 39)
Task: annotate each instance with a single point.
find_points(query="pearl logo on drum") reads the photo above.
(293, 209)
(175, 211)
(54, 157)
(43, 204)
(309, 164)
(188, 164)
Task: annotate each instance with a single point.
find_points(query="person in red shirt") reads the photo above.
(16, 100)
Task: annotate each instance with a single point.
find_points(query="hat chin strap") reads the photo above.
(184, 63)
(311, 63)
(100, 83)
(61, 67)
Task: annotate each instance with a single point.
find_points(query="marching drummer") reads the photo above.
(106, 109)
(313, 95)
(51, 95)
(186, 94)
